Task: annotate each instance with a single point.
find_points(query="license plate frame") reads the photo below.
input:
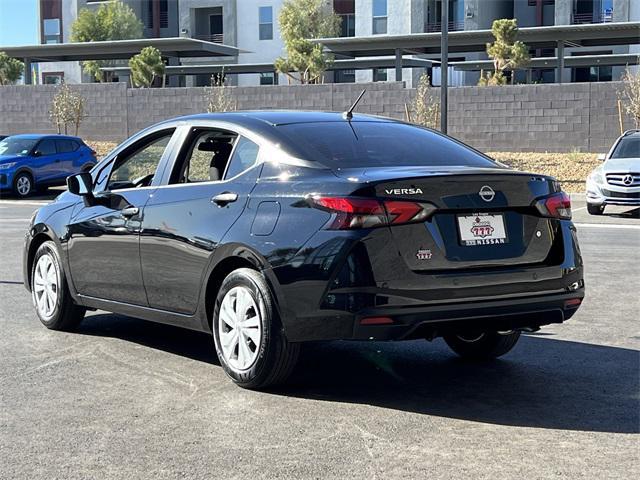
(482, 229)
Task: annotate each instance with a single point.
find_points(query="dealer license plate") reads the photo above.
(482, 229)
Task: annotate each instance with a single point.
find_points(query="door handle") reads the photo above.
(223, 198)
(130, 212)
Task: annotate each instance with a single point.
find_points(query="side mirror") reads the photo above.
(81, 184)
(37, 153)
(602, 157)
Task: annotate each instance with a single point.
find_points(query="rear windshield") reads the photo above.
(374, 144)
(628, 147)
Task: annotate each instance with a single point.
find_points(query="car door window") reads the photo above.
(204, 156)
(245, 155)
(46, 147)
(138, 168)
(66, 146)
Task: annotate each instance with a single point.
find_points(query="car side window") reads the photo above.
(46, 147)
(137, 168)
(244, 157)
(66, 146)
(204, 156)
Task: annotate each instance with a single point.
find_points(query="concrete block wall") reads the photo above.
(553, 118)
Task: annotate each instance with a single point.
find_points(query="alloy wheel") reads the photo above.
(239, 328)
(23, 185)
(45, 286)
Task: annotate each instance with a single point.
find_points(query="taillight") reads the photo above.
(557, 205)
(350, 213)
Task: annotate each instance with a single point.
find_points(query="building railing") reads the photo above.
(213, 38)
(437, 26)
(580, 18)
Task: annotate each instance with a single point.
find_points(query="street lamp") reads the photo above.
(444, 65)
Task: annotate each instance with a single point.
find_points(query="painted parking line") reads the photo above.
(607, 225)
(20, 202)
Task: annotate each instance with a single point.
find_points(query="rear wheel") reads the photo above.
(595, 209)
(247, 332)
(23, 184)
(482, 345)
(50, 293)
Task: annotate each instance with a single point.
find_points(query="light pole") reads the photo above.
(444, 65)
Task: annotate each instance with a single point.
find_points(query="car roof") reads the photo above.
(281, 117)
(39, 136)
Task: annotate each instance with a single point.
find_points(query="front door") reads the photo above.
(186, 219)
(104, 236)
(46, 165)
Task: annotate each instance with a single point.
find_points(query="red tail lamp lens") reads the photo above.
(572, 303)
(376, 321)
(557, 205)
(353, 213)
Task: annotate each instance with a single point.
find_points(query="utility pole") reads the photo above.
(444, 65)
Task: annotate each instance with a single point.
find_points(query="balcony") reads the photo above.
(437, 27)
(213, 38)
(602, 17)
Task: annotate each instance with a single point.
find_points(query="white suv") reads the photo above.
(617, 180)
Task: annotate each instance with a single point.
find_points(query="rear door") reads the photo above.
(67, 154)
(186, 219)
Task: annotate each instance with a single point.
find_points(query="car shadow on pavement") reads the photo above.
(542, 383)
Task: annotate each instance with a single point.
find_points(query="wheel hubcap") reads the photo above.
(239, 328)
(45, 286)
(23, 185)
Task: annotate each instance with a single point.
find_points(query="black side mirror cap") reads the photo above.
(81, 184)
(37, 153)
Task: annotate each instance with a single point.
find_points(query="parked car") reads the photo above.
(617, 180)
(268, 229)
(35, 162)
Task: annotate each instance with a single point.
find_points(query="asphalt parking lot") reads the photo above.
(123, 398)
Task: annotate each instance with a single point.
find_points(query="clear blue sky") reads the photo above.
(18, 22)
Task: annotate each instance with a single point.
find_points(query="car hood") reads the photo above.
(621, 165)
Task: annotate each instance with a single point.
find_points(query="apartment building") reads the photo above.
(252, 26)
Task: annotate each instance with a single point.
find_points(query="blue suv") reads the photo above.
(35, 162)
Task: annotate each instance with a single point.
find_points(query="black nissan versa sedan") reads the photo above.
(269, 229)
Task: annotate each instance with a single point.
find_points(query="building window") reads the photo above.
(345, 76)
(270, 78)
(265, 21)
(379, 74)
(379, 17)
(346, 10)
(52, 78)
(51, 29)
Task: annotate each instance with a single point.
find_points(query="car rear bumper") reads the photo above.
(436, 320)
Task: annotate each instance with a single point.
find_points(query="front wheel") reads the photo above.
(248, 335)
(54, 305)
(23, 185)
(595, 209)
(482, 345)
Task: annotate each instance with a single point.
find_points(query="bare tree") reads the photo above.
(426, 106)
(67, 107)
(629, 94)
(218, 96)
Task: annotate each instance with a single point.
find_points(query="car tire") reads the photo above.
(50, 292)
(482, 345)
(248, 335)
(595, 209)
(23, 184)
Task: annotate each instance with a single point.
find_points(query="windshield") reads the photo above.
(377, 144)
(17, 146)
(628, 147)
